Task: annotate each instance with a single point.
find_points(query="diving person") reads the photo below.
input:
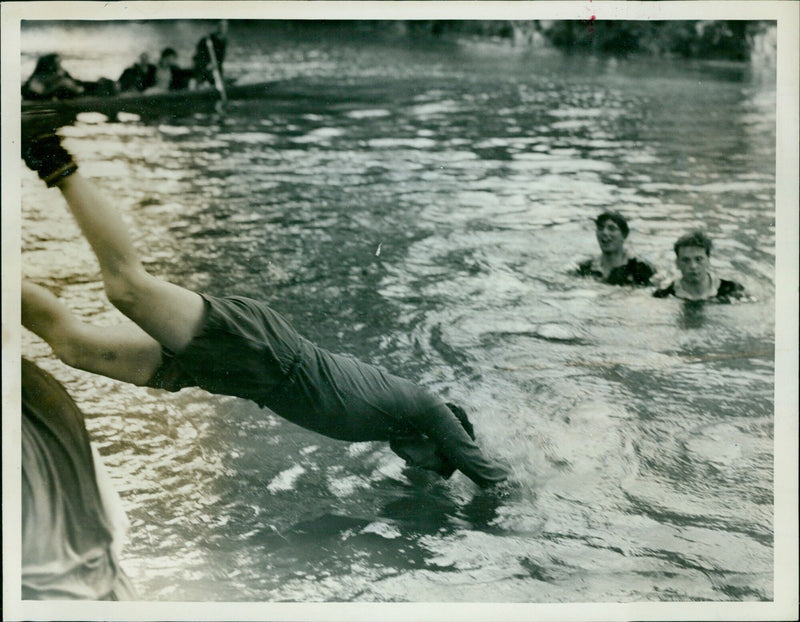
(233, 345)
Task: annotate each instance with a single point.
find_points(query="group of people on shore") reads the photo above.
(50, 80)
(616, 266)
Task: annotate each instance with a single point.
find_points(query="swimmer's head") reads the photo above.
(615, 217)
(611, 232)
(697, 239)
(692, 253)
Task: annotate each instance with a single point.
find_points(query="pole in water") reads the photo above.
(217, 76)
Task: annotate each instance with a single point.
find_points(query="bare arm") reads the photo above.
(169, 313)
(124, 352)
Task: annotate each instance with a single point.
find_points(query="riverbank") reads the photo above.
(731, 40)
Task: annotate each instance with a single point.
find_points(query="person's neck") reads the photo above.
(613, 259)
(697, 289)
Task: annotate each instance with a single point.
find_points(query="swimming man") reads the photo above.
(698, 281)
(615, 265)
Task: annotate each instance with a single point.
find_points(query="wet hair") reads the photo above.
(47, 64)
(696, 239)
(615, 217)
(461, 415)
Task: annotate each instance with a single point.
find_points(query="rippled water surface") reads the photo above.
(420, 206)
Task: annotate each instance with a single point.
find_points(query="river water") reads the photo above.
(420, 205)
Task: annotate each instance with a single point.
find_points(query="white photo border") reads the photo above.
(787, 16)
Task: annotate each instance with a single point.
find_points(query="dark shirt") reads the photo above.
(246, 349)
(202, 58)
(726, 292)
(103, 87)
(137, 78)
(635, 272)
(180, 78)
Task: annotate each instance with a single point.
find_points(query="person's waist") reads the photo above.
(289, 374)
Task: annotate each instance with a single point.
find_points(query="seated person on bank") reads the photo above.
(138, 77)
(233, 345)
(698, 281)
(50, 80)
(72, 519)
(614, 265)
(169, 75)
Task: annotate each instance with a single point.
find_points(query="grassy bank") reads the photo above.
(733, 40)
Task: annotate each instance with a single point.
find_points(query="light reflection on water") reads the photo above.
(640, 430)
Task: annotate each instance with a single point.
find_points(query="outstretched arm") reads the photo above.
(124, 352)
(168, 313)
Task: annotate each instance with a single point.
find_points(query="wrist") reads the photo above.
(45, 155)
(59, 176)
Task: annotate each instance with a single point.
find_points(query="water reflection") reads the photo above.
(692, 314)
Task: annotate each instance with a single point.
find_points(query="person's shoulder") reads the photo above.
(729, 290)
(730, 286)
(665, 290)
(585, 267)
(641, 264)
(46, 402)
(641, 271)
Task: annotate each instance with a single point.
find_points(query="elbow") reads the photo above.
(69, 352)
(124, 288)
(72, 348)
(80, 356)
